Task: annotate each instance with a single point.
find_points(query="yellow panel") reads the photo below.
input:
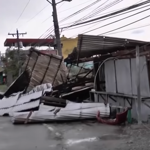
(68, 45)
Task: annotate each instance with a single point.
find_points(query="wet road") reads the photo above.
(66, 136)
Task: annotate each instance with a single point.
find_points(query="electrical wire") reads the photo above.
(39, 13)
(52, 30)
(108, 12)
(73, 7)
(92, 11)
(111, 17)
(103, 9)
(116, 15)
(23, 11)
(77, 12)
(34, 16)
(67, 9)
(130, 29)
(118, 20)
(88, 7)
(81, 10)
(49, 30)
(126, 25)
(111, 14)
(97, 11)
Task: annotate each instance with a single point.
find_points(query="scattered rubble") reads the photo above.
(50, 89)
(45, 94)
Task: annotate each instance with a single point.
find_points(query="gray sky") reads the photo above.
(10, 10)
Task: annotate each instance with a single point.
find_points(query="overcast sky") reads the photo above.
(37, 18)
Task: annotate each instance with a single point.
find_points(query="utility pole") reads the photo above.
(18, 44)
(56, 24)
(138, 84)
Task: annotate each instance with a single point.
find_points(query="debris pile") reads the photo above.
(47, 91)
(44, 68)
(72, 111)
(98, 76)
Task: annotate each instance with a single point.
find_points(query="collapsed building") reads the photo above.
(103, 74)
(121, 69)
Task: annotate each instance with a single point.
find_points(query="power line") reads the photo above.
(74, 6)
(131, 29)
(100, 15)
(111, 14)
(39, 13)
(125, 9)
(110, 11)
(118, 20)
(67, 9)
(97, 11)
(21, 13)
(103, 9)
(35, 15)
(109, 7)
(126, 25)
(23, 10)
(92, 11)
(79, 11)
(51, 28)
(116, 15)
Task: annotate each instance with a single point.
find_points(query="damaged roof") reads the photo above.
(89, 45)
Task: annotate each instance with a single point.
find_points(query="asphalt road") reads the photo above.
(66, 136)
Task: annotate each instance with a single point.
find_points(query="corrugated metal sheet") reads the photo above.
(126, 76)
(89, 45)
(21, 102)
(144, 80)
(44, 68)
(73, 111)
(123, 76)
(110, 76)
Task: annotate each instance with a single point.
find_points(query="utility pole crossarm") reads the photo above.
(13, 34)
(18, 44)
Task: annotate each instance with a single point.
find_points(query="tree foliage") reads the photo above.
(11, 63)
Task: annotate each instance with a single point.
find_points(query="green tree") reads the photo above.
(11, 63)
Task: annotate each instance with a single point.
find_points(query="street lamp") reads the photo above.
(56, 25)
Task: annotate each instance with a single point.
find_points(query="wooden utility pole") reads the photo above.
(56, 25)
(18, 44)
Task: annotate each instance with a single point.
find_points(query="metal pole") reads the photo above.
(56, 26)
(138, 84)
(18, 46)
